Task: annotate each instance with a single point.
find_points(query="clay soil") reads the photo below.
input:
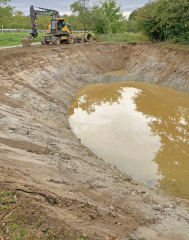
(60, 188)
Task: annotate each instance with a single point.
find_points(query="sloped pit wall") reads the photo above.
(37, 86)
(158, 64)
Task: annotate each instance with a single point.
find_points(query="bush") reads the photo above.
(165, 20)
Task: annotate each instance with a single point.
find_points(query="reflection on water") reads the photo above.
(141, 128)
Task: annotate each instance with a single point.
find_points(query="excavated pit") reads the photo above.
(39, 150)
(139, 127)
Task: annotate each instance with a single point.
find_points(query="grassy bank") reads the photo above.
(138, 37)
(22, 218)
(122, 37)
(177, 46)
(10, 39)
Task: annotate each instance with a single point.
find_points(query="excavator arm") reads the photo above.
(26, 41)
(41, 11)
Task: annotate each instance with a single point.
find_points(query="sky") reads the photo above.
(64, 6)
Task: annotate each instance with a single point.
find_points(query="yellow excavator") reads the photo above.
(59, 31)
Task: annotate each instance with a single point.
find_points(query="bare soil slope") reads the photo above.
(41, 157)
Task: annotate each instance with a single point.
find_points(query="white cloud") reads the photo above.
(126, 14)
(64, 6)
(65, 12)
(19, 4)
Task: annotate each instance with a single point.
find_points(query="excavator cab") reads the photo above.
(60, 32)
(60, 27)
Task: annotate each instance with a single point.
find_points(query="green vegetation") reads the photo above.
(21, 219)
(6, 12)
(164, 20)
(182, 46)
(132, 24)
(10, 39)
(159, 20)
(103, 17)
(84, 237)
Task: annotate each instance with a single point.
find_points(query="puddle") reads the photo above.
(141, 128)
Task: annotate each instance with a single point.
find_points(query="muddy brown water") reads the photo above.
(141, 128)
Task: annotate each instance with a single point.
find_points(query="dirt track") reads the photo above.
(39, 152)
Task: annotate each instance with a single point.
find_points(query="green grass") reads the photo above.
(122, 37)
(10, 39)
(138, 37)
(23, 220)
(176, 46)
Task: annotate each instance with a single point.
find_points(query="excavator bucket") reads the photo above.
(26, 41)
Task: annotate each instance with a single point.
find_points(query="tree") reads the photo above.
(165, 20)
(76, 25)
(101, 18)
(132, 25)
(133, 15)
(114, 14)
(111, 10)
(81, 8)
(18, 20)
(5, 12)
(99, 21)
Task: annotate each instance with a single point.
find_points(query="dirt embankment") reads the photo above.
(39, 152)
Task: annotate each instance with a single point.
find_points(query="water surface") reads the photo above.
(141, 128)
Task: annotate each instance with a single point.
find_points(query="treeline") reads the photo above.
(161, 20)
(17, 20)
(6, 11)
(103, 17)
